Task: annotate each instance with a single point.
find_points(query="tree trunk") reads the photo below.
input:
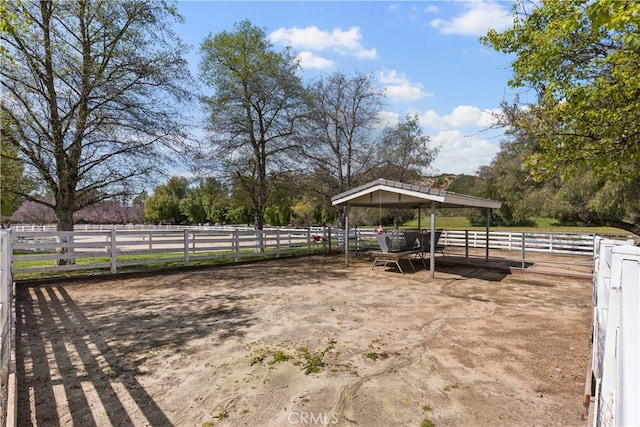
(65, 225)
(593, 220)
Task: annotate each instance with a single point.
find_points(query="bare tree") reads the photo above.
(338, 133)
(90, 96)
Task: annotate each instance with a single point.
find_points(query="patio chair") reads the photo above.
(397, 246)
(425, 242)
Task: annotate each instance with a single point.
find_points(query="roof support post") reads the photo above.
(346, 236)
(432, 242)
(486, 243)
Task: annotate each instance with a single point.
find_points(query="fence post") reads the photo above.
(323, 239)
(278, 243)
(186, 247)
(309, 242)
(150, 238)
(523, 250)
(114, 260)
(329, 238)
(236, 239)
(466, 245)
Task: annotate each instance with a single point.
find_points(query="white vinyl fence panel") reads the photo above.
(6, 321)
(114, 249)
(616, 344)
(569, 243)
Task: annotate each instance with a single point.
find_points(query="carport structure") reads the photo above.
(384, 193)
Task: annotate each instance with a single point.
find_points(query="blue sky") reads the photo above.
(426, 56)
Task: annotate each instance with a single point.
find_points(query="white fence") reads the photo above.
(6, 327)
(615, 367)
(113, 249)
(116, 249)
(569, 243)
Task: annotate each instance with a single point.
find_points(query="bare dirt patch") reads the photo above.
(305, 341)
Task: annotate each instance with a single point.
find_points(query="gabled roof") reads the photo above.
(392, 194)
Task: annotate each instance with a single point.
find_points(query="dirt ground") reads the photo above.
(305, 341)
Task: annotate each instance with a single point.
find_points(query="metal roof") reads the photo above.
(392, 194)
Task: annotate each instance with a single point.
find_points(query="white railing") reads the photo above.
(552, 242)
(615, 372)
(6, 325)
(568, 243)
(115, 249)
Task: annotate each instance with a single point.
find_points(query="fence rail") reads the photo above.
(568, 243)
(114, 249)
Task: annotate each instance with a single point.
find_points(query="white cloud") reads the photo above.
(312, 38)
(462, 116)
(478, 17)
(388, 118)
(398, 87)
(432, 8)
(461, 154)
(309, 60)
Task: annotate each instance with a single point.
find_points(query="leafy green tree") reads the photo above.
(595, 200)
(506, 179)
(284, 196)
(164, 203)
(12, 181)
(208, 202)
(240, 207)
(90, 96)
(582, 58)
(405, 151)
(254, 110)
(192, 206)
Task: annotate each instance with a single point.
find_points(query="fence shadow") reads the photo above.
(69, 351)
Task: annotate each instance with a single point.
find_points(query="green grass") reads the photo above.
(427, 423)
(155, 261)
(313, 361)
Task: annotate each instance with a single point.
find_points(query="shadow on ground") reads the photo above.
(97, 346)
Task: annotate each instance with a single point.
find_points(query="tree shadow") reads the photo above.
(67, 349)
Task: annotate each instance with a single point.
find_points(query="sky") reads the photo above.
(424, 54)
